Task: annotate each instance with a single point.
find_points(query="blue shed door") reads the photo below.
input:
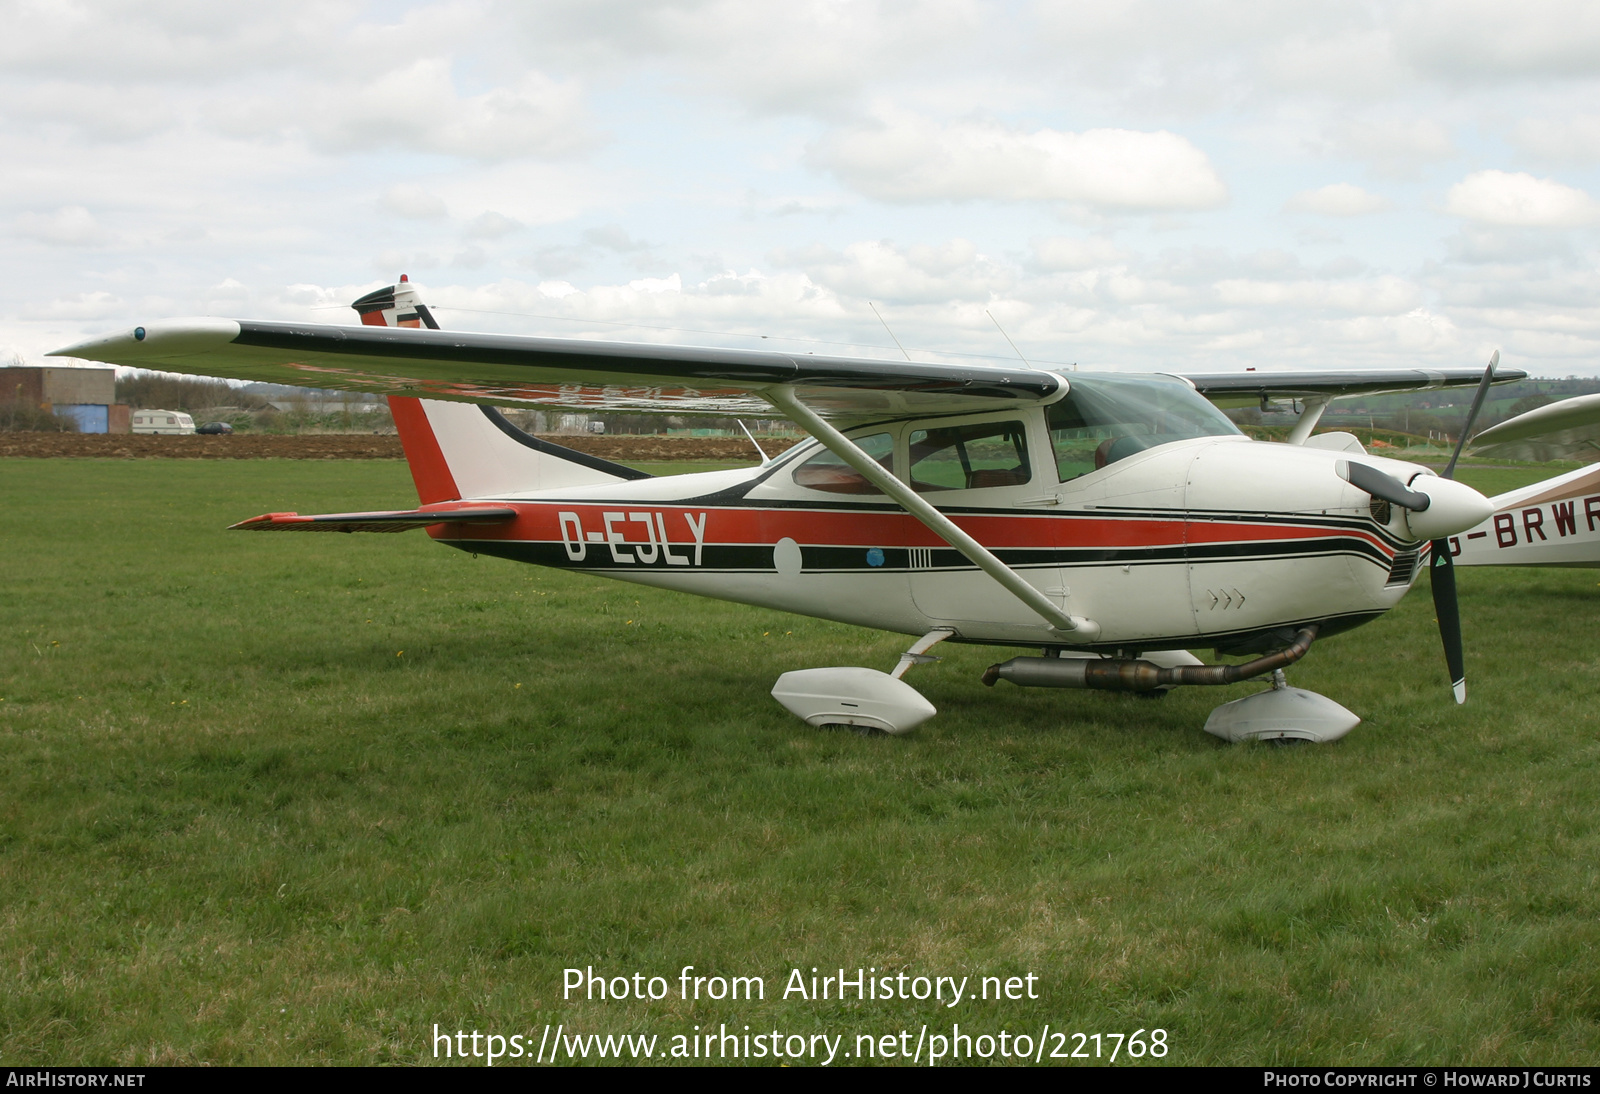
(91, 417)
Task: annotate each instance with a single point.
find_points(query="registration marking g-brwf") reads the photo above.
(656, 544)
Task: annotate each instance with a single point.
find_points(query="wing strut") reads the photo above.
(942, 526)
(1309, 417)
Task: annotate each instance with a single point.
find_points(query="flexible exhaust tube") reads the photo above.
(1130, 675)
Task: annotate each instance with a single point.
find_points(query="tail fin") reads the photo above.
(462, 450)
(395, 306)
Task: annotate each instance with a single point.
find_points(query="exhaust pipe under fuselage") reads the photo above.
(1127, 674)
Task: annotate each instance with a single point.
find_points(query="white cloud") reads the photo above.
(166, 40)
(1520, 200)
(905, 158)
(70, 225)
(879, 270)
(1492, 245)
(969, 153)
(1395, 147)
(491, 225)
(1353, 62)
(1560, 140)
(657, 284)
(1473, 40)
(1341, 199)
(413, 202)
(88, 306)
(1057, 253)
(417, 107)
(770, 56)
(99, 110)
(613, 237)
(1381, 296)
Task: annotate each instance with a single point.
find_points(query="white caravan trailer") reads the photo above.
(161, 421)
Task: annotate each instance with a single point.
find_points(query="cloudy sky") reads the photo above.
(1121, 183)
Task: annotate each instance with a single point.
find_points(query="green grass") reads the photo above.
(281, 799)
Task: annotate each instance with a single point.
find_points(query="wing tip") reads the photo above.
(268, 520)
(160, 339)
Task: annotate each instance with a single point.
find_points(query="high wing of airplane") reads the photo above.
(1564, 430)
(1111, 521)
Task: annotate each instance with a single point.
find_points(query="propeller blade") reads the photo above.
(1472, 415)
(1442, 576)
(1363, 476)
(1442, 570)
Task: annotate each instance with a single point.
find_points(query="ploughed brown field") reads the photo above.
(352, 446)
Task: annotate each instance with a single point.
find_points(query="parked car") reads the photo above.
(215, 427)
(161, 421)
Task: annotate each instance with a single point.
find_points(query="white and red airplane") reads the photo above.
(1111, 521)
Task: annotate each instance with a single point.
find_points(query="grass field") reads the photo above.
(295, 799)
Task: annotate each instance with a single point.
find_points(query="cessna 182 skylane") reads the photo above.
(1112, 521)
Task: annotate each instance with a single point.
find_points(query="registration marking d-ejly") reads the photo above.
(624, 552)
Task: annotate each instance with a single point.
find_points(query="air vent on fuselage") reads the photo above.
(1403, 569)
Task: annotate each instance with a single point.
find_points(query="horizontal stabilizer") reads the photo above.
(397, 521)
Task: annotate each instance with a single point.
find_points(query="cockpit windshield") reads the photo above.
(1105, 418)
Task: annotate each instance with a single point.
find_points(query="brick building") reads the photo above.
(86, 395)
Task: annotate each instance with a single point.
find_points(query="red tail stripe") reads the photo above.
(428, 467)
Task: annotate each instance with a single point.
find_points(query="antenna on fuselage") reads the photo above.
(1007, 337)
(879, 314)
(765, 459)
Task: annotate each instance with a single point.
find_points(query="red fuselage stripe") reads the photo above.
(539, 522)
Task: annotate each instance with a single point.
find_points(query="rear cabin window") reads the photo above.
(829, 473)
(969, 457)
(1103, 419)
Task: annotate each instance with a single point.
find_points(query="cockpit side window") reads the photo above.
(829, 473)
(969, 457)
(1103, 419)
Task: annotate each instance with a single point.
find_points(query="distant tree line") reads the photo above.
(25, 416)
(163, 391)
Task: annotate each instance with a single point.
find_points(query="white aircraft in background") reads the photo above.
(1551, 523)
(1111, 521)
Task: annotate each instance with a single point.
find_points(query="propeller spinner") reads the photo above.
(1437, 508)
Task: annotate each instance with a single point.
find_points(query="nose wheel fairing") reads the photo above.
(1282, 713)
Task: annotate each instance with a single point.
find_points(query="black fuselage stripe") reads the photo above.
(758, 558)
